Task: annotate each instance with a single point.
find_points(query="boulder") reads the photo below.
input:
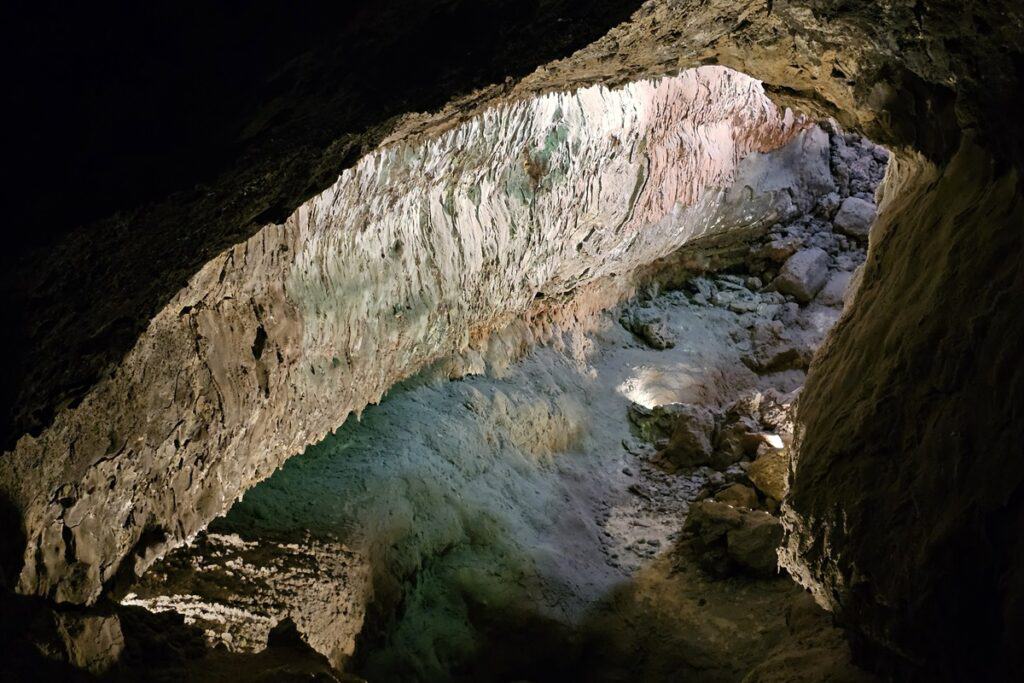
(648, 326)
(754, 421)
(708, 522)
(774, 348)
(834, 291)
(803, 274)
(727, 539)
(777, 250)
(738, 496)
(659, 423)
(770, 472)
(736, 440)
(754, 544)
(855, 217)
(691, 439)
(90, 641)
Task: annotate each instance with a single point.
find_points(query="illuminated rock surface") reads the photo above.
(237, 591)
(906, 454)
(410, 255)
(513, 506)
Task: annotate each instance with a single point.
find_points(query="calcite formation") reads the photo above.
(419, 248)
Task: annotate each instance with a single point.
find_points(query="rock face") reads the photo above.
(879, 525)
(237, 591)
(412, 254)
(91, 642)
(914, 470)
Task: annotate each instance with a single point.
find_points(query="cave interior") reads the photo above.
(514, 340)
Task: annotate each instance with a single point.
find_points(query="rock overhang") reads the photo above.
(419, 247)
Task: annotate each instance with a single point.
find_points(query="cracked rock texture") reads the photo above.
(417, 250)
(504, 508)
(237, 590)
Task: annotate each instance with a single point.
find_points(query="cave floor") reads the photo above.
(514, 526)
(523, 521)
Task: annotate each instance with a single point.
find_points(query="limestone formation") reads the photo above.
(412, 254)
(92, 642)
(236, 591)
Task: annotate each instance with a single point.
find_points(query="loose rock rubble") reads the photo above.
(663, 431)
(727, 537)
(785, 296)
(648, 326)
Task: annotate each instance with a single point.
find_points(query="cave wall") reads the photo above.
(907, 487)
(151, 138)
(906, 505)
(905, 515)
(420, 248)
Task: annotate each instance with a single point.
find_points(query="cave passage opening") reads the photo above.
(518, 509)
